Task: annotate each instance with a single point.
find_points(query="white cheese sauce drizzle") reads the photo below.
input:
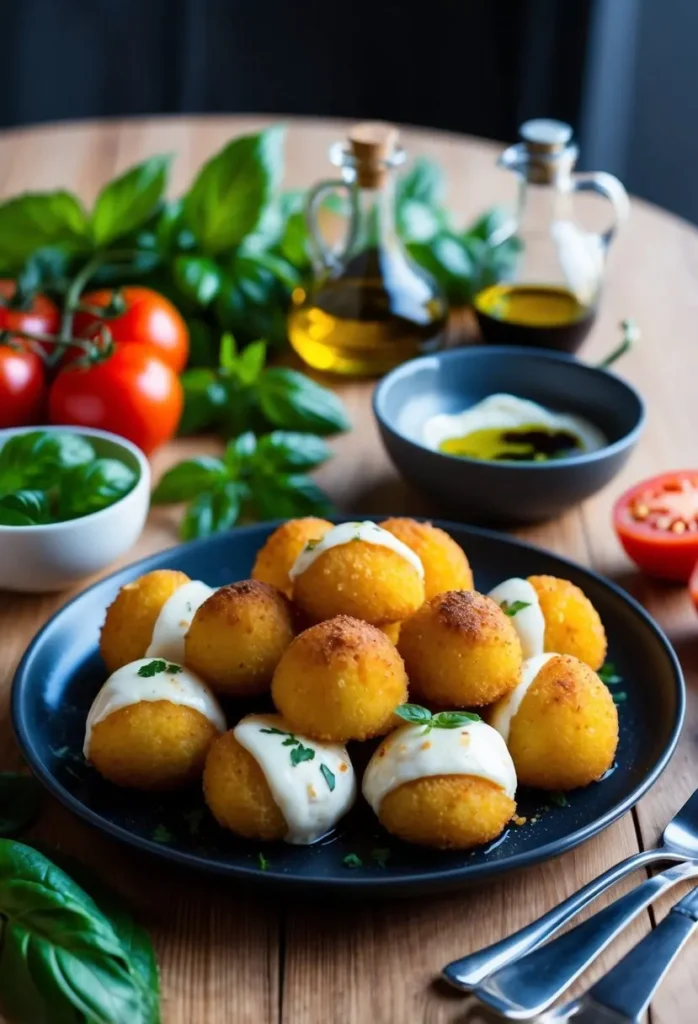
(528, 622)
(174, 620)
(411, 753)
(503, 712)
(125, 687)
(311, 798)
(346, 533)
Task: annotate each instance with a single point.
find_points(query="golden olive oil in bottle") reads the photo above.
(547, 316)
(369, 306)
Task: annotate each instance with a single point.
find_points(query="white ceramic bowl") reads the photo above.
(56, 555)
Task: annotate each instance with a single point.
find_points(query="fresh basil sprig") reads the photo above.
(415, 714)
(53, 476)
(514, 607)
(241, 394)
(256, 479)
(62, 958)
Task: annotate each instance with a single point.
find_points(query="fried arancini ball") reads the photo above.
(152, 745)
(392, 631)
(280, 550)
(565, 731)
(360, 579)
(448, 787)
(572, 624)
(447, 811)
(237, 637)
(340, 680)
(446, 566)
(257, 785)
(238, 794)
(460, 650)
(130, 619)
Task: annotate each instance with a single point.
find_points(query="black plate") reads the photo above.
(61, 672)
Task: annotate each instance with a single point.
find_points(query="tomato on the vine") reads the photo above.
(657, 524)
(132, 393)
(41, 316)
(148, 319)
(22, 386)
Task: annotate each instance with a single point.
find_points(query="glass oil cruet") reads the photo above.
(550, 294)
(369, 307)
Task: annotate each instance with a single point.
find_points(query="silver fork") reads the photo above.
(679, 843)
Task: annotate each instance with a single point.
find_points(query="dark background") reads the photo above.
(624, 73)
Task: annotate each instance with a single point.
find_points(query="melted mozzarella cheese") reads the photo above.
(311, 798)
(411, 753)
(503, 712)
(125, 687)
(174, 620)
(346, 533)
(528, 622)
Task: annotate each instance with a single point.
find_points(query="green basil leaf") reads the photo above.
(19, 802)
(252, 301)
(453, 719)
(250, 362)
(168, 228)
(24, 508)
(37, 456)
(287, 496)
(413, 713)
(295, 402)
(204, 397)
(212, 512)
(127, 202)
(198, 277)
(293, 244)
(418, 222)
(47, 269)
(228, 351)
(189, 479)
(35, 220)
(285, 450)
(229, 195)
(450, 260)
(90, 488)
(490, 223)
(513, 608)
(61, 959)
(281, 269)
(244, 446)
(423, 182)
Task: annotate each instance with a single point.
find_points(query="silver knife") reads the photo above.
(623, 995)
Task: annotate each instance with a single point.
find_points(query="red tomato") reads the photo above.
(132, 393)
(149, 319)
(693, 586)
(42, 317)
(657, 524)
(22, 387)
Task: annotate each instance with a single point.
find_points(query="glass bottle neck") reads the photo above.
(374, 213)
(543, 204)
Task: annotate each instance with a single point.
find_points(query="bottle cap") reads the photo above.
(544, 135)
(373, 145)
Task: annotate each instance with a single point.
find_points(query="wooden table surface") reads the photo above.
(229, 958)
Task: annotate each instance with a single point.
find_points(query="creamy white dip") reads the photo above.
(528, 622)
(174, 620)
(504, 711)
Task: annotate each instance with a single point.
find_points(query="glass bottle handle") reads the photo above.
(605, 185)
(326, 257)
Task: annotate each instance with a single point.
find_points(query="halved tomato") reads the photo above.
(657, 524)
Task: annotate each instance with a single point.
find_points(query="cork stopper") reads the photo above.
(372, 144)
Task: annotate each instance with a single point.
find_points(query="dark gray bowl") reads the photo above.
(505, 492)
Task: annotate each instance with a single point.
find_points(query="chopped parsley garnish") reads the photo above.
(352, 860)
(608, 674)
(328, 776)
(415, 714)
(299, 752)
(514, 608)
(311, 545)
(263, 862)
(162, 834)
(560, 799)
(154, 668)
(381, 855)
